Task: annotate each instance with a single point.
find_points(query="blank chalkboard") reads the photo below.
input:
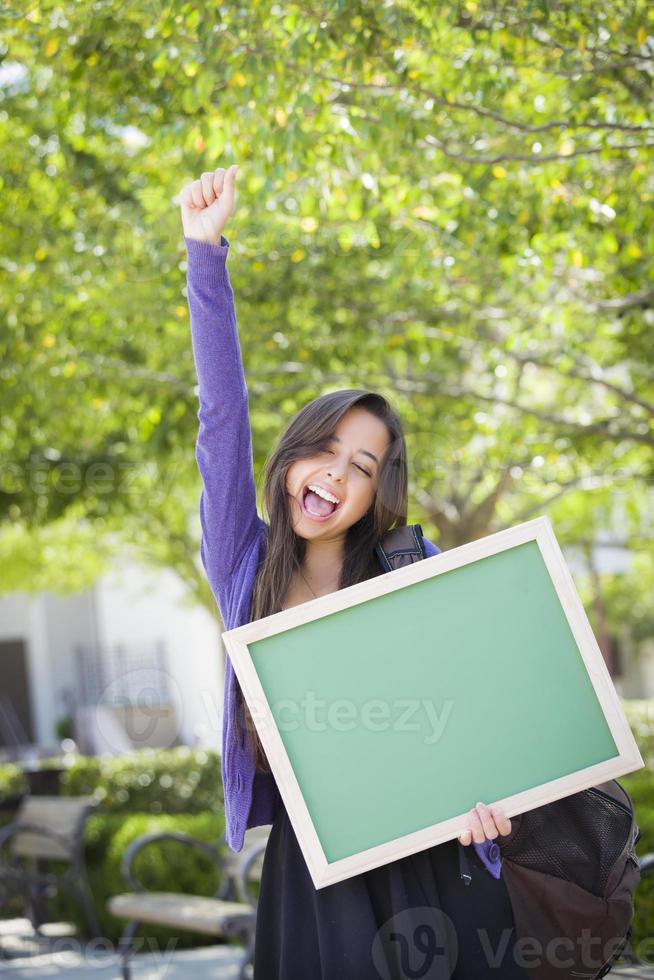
(388, 709)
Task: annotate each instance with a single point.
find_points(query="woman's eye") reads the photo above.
(356, 464)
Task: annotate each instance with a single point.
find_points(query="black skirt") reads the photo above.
(414, 917)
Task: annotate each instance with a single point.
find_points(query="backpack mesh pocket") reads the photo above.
(579, 838)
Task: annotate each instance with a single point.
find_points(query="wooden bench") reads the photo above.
(230, 912)
(47, 828)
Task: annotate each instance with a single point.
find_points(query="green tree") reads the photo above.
(449, 203)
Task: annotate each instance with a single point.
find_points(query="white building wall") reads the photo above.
(137, 607)
(50, 625)
(68, 623)
(132, 606)
(17, 617)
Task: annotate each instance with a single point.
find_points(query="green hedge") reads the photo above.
(145, 791)
(180, 780)
(12, 781)
(153, 781)
(161, 867)
(640, 786)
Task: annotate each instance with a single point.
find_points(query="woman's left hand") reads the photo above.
(485, 822)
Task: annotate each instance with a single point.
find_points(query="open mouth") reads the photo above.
(317, 508)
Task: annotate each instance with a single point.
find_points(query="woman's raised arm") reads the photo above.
(223, 449)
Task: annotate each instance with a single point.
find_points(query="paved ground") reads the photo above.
(57, 954)
(208, 963)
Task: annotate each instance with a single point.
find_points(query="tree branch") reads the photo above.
(640, 300)
(536, 158)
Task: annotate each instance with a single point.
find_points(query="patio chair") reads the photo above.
(46, 829)
(230, 912)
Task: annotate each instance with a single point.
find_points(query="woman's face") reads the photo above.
(348, 467)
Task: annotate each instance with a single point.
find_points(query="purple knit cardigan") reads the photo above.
(233, 535)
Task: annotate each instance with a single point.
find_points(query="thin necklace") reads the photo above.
(312, 592)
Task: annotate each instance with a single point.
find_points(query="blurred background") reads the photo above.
(450, 203)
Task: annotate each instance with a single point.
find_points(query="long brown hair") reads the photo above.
(306, 434)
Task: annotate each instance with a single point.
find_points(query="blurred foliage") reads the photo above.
(156, 781)
(64, 728)
(640, 786)
(447, 202)
(161, 867)
(148, 791)
(12, 782)
(640, 715)
(628, 598)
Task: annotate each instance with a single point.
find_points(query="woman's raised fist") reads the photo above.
(207, 203)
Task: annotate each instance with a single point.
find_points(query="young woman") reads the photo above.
(431, 914)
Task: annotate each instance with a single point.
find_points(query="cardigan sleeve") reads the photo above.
(431, 549)
(223, 450)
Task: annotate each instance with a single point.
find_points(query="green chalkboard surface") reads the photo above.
(401, 702)
(484, 648)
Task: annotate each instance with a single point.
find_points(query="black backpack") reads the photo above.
(570, 867)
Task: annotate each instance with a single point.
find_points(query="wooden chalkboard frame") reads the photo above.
(237, 642)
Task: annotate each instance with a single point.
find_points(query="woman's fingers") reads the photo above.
(194, 194)
(198, 196)
(475, 829)
(218, 180)
(208, 203)
(203, 192)
(485, 823)
(502, 822)
(227, 193)
(186, 196)
(208, 191)
(476, 826)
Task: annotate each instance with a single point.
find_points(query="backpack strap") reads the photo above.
(401, 546)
